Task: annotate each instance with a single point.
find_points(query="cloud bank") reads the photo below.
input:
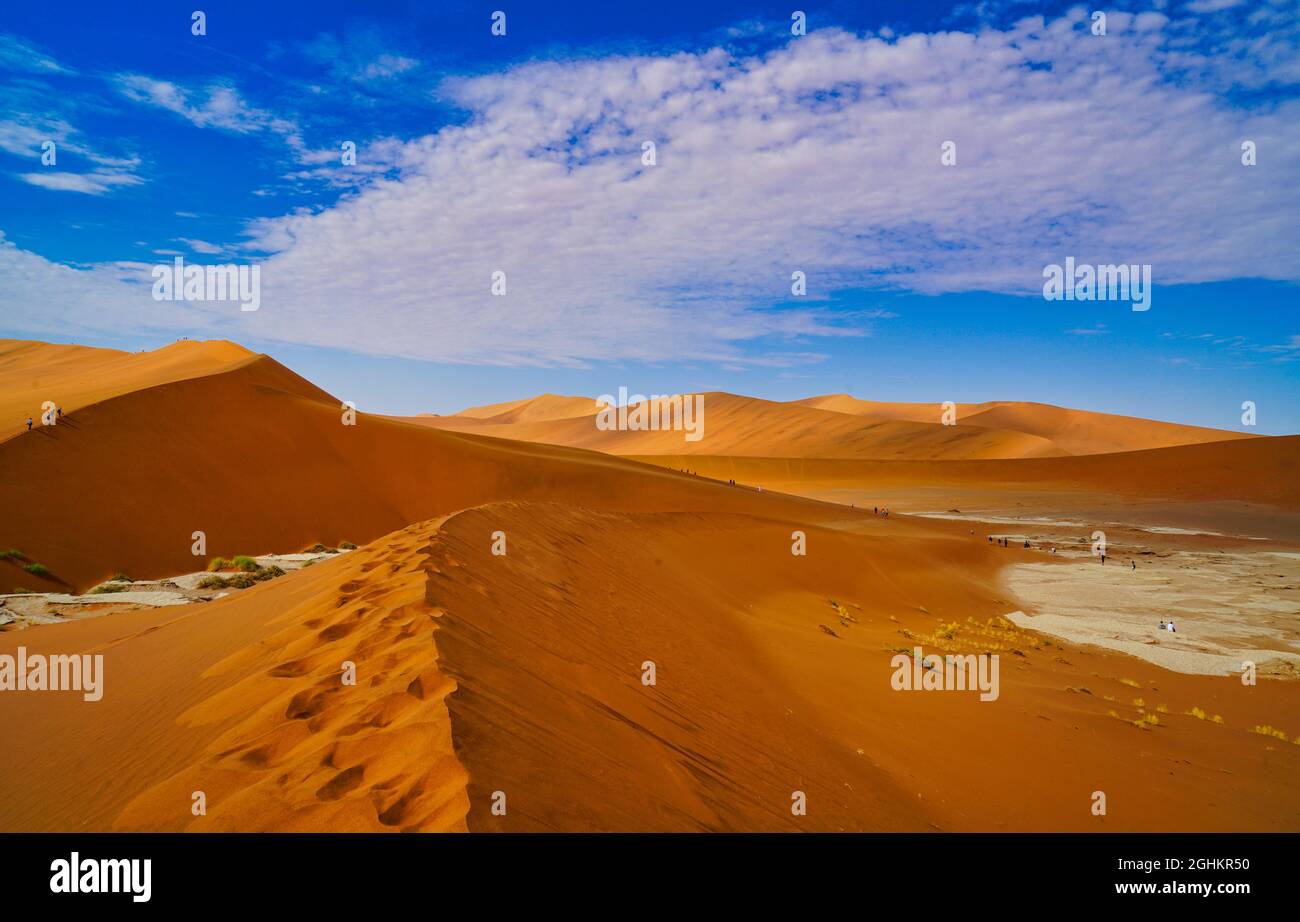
(822, 156)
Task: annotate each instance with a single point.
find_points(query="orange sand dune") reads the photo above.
(1257, 470)
(521, 674)
(1073, 432)
(258, 459)
(532, 409)
(749, 426)
(74, 376)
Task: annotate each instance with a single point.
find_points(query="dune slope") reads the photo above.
(480, 675)
(1257, 470)
(72, 377)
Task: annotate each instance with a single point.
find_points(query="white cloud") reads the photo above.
(1211, 6)
(385, 66)
(202, 246)
(822, 156)
(97, 182)
(217, 105)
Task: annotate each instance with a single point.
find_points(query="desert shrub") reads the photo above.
(219, 563)
(12, 554)
(241, 580)
(347, 546)
(20, 590)
(245, 563)
(1266, 730)
(110, 587)
(37, 569)
(317, 548)
(121, 578)
(1198, 713)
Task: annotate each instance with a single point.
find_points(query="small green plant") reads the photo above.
(317, 548)
(109, 587)
(37, 569)
(245, 563)
(241, 580)
(219, 563)
(347, 546)
(12, 554)
(121, 578)
(20, 590)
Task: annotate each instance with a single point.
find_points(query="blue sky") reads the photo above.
(819, 153)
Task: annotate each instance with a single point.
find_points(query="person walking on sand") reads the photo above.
(29, 424)
(1134, 564)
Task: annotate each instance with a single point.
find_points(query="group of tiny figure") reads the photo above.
(58, 414)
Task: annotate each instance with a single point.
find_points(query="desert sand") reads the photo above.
(482, 674)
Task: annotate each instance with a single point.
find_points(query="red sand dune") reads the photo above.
(521, 673)
(258, 459)
(1257, 470)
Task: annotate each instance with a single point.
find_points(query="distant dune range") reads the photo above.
(521, 673)
(840, 427)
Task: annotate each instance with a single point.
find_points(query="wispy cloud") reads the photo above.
(18, 55)
(96, 182)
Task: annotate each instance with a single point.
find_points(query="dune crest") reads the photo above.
(1073, 432)
(73, 377)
